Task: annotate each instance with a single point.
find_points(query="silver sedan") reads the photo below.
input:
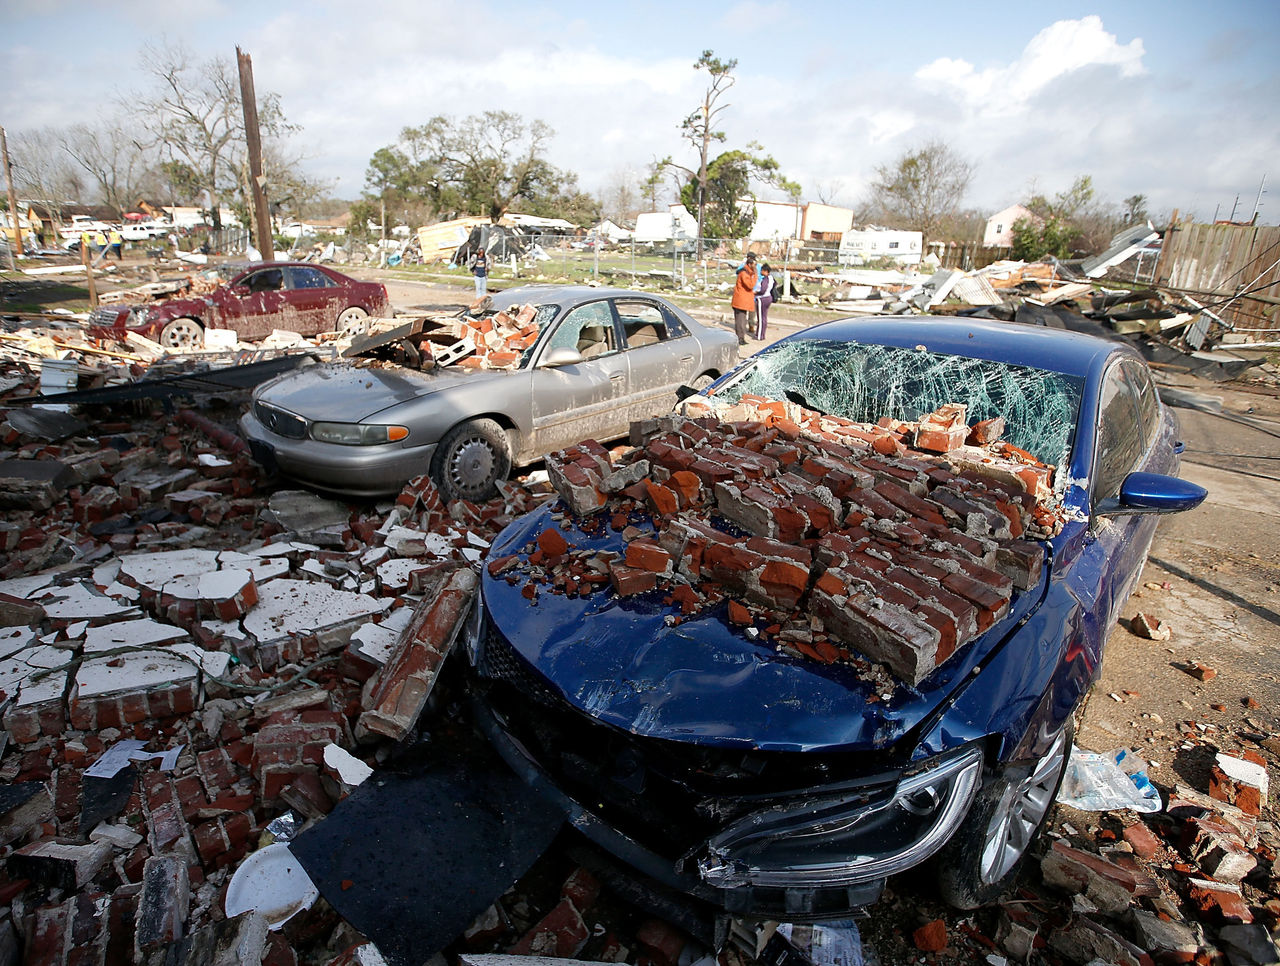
(602, 358)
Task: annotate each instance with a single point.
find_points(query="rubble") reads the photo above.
(897, 553)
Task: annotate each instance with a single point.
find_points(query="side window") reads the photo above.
(1139, 377)
(588, 328)
(645, 323)
(309, 278)
(1119, 434)
(267, 280)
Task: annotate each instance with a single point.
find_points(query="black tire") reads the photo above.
(184, 333)
(983, 858)
(471, 459)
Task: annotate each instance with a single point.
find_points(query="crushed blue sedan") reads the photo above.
(832, 620)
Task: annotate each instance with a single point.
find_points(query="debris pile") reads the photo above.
(898, 542)
(154, 599)
(1193, 882)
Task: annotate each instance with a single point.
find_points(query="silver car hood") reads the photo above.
(343, 392)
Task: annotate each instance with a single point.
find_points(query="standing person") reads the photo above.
(744, 297)
(765, 294)
(86, 243)
(480, 269)
(116, 240)
(99, 245)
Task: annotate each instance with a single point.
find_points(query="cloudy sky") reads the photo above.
(1176, 100)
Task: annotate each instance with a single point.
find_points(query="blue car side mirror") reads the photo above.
(1153, 493)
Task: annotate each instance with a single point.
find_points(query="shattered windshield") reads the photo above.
(864, 383)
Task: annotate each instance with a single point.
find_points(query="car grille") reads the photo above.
(280, 422)
(105, 315)
(666, 794)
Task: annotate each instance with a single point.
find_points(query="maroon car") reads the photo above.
(295, 296)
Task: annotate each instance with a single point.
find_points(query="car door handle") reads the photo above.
(617, 376)
(688, 358)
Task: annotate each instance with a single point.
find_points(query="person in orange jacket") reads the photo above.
(744, 297)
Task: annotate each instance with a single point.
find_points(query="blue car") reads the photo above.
(760, 782)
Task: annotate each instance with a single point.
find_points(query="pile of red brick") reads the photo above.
(899, 542)
(147, 593)
(498, 339)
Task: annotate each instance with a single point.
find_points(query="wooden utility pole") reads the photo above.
(88, 273)
(17, 248)
(261, 217)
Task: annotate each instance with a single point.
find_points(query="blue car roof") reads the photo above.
(1054, 350)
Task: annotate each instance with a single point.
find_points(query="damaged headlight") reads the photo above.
(358, 434)
(832, 841)
(140, 316)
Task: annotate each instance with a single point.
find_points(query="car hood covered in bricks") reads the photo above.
(782, 580)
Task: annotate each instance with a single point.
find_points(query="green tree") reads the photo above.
(484, 163)
(924, 186)
(728, 183)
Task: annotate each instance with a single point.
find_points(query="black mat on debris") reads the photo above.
(411, 860)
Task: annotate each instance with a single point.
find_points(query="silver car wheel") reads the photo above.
(471, 464)
(1023, 805)
(182, 334)
(353, 321)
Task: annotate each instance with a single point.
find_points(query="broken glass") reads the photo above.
(864, 383)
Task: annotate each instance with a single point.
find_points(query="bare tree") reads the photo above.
(194, 109)
(44, 172)
(923, 186)
(829, 192)
(111, 157)
(699, 126)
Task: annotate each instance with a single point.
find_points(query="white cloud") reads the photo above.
(1060, 49)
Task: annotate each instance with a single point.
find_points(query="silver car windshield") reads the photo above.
(863, 383)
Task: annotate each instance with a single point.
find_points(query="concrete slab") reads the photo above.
(304, 607)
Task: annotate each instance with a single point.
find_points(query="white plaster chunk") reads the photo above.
(301, 606)
(117, 835)
(208, 459)
(350, 769)
(407, 542)
(1244, 772)
(122, 591)
(16, 671)
(284, 548)
(79, 602)
(105, 574)
(377, 641)
(14, 639)
(374, 556)
(26, 588)
(147, 669)
(262, 568)
(225, 630)
(76, 630)
(471, 555)
(394, 574)
(153, 570)
(222, 584)
(183, 588)
(137, 633)
(477, 541)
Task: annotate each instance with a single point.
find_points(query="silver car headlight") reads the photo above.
(834, 841)
(358, 434)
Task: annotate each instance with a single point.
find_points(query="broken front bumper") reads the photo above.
(816, 854)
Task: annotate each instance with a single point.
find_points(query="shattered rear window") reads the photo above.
(864, 383)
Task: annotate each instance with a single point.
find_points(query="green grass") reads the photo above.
(19, 293)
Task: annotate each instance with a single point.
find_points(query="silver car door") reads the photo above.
(661, 355)
(579, 401)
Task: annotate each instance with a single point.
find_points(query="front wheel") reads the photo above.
(182, 334)
(353, 321)
(471, 459)
(982, 859)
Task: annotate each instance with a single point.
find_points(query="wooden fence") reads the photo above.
(1234, 269)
